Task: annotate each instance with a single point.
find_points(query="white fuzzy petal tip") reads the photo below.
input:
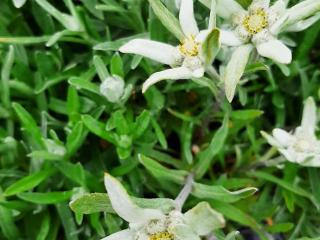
(123, 205)
(157, 51)
(170, 74)
(275, 50)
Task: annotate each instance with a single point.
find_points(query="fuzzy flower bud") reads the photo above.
(112, 88)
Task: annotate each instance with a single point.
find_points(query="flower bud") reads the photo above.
(112, 88)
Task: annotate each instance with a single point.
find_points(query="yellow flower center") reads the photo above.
(189, 47)
(161, 236)
(255, 22)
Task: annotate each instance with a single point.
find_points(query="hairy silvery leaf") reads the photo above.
(100, 202)
(235, 69)
(211, 46)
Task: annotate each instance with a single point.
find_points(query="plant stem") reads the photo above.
(185, 192)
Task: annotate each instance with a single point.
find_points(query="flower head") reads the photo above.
(261, 24)
(154, 224)
(187, 59)
(301, 146)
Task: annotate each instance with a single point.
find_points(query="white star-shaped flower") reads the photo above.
(301, 146)
(261, 23)
(259, 27)
(187, 60)
(153, 224)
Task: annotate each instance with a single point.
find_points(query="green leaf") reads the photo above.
(216, 145)
(220, 193)
(45, 155)
(280, 227)
(156, 169)
(70, 229)
(100, 68)
(211, 46)
(246, 115)
(73, 171)
(100, 202)
(44, 228)
(141, 124)
(233, 213)
(73, 104)
(7, 225)
(159, 133)
(186, 138)
(286, 185)
(116, 65)
(314, 178)
(255, 67)
(81, 83)
(45, 198)
(29, 123)
(75, 138)
(28, 182)
(167, 18)
(97, 128)
(115, 45)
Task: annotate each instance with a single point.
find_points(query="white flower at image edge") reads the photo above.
(186, 59)
(153, 224)
(261, 24)
(301, 146)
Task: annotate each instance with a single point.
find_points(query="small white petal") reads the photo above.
(302, 10)
(170, 74)
(275, 50)
(229, 38)
(278, 7)
(309, 117)
(203, 219)
(271, 140)
(283, 137)
(228, 8)
(276, 11)
(160, 52)
(257, 4)
(125, 234)
(235, 69)
(19, 3)
(201, 37)
(198, 73)
(186, 17)
(312, 162)
(303, 24)
(290, 155)
(123, 205)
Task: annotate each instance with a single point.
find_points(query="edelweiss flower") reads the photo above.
(259, 27)
(153, 224)
(187, 59)
(262, 23)
(302, 146)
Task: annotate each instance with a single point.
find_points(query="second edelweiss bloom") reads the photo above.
(301, 146)
(154, 224)
(262, 23)
(187, 60)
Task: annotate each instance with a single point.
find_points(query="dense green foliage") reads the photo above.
(58, 134)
